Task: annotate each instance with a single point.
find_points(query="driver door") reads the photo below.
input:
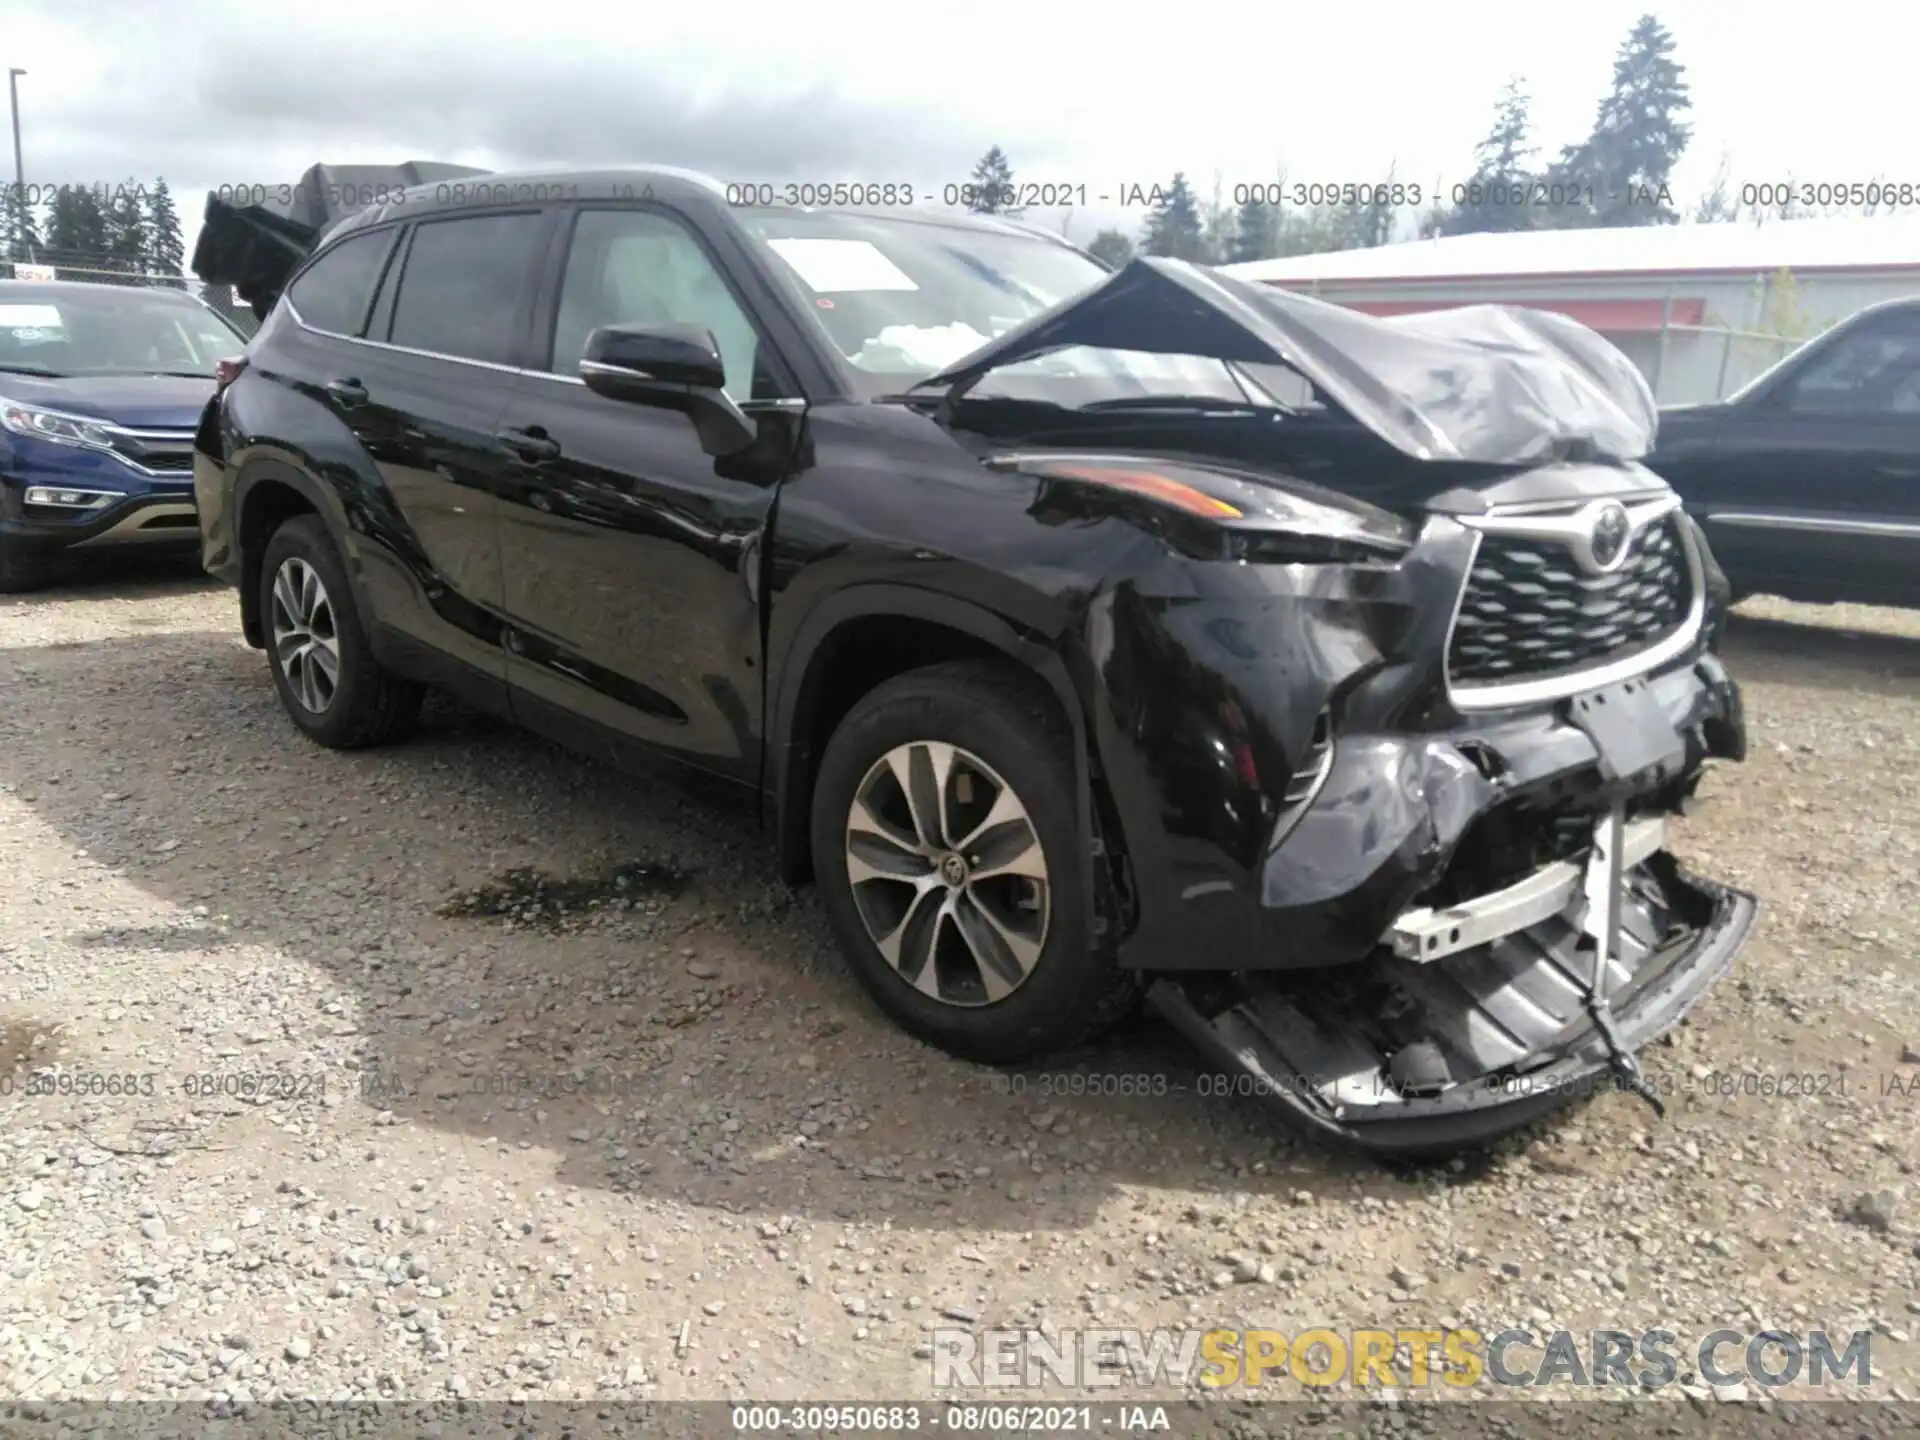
(631, 555)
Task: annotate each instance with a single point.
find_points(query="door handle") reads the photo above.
(347, 392)
(531, 444)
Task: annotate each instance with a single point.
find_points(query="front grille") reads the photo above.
(161, 452)
(178, 463)
(1530, 612)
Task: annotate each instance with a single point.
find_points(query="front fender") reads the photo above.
(257, 477)
(792, 671)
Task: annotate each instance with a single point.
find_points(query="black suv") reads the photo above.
(1808, 479)
(1088, 634)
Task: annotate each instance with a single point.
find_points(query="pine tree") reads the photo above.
(1315, 230)
(992, 185)
(1217, 222)
(1111, 246)
(1497, 195)
(1621, 171)
(1256, 230)
(76, 228)
(1173, 226)
(1360, 227)
(166, 251)
(126, 223)
(19, 225)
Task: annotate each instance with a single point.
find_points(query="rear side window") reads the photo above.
(464, 280)
(333, 293)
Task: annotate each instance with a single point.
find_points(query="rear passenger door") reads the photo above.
(631, 555)
(425, 398)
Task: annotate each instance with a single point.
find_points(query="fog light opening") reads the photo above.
(61, 497)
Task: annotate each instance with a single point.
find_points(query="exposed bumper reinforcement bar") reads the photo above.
(1427, 935)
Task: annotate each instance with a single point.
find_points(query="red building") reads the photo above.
(1700, 308)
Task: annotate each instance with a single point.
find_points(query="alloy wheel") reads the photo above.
(305, 637)
(948, 873)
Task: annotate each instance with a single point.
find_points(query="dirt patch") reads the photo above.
(531, 898)
(24, 1046)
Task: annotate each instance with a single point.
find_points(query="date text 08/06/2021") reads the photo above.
(192, 1084)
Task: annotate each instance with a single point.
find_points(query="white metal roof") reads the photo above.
(1837, 242)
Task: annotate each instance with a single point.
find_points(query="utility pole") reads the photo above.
(19, 168)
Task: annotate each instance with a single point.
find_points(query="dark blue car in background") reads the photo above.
(101, 387)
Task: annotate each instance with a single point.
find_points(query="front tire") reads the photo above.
(322, 663)
(948, 853)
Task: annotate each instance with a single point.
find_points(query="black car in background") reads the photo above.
(101, 387)
(1807, 481)
(1085, 634)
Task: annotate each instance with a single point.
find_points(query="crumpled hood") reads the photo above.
(139, 402)
(1487, 384)
(255, 247)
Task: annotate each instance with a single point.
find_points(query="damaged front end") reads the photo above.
(1554, 938)
(1394, 847)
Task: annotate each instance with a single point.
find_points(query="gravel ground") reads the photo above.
(631, 1132)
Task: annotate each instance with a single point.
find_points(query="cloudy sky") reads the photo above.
(206, 92)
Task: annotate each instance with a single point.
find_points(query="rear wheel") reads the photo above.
(945, 840)
(317, 646)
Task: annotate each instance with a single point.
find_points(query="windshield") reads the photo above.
(111, 332)
(903, 297)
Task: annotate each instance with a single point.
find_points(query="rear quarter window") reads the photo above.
(333, 293)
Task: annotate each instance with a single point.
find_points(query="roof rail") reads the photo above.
(697, 177)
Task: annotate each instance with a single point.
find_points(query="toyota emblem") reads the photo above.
(1607, 534)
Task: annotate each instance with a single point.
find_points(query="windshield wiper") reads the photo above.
(33, 370)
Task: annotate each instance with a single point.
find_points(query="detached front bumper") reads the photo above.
(1428, 985)
(1511, 1021)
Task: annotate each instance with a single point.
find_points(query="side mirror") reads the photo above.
(672, 367)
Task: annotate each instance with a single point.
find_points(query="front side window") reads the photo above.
(462, 285)
(332, 294)
(638, 267)
(1863, 374)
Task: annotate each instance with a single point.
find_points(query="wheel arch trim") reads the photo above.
(790, 761)
(325, 503)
